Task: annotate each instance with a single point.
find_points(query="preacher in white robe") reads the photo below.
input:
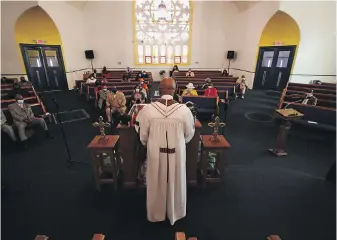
(165, 127)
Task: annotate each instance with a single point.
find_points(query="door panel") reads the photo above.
(44, 66)
(54, 68)
(273, 67)
(35, 67)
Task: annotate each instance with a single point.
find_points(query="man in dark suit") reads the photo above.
(23, 117)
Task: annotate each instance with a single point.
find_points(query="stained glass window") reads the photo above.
(163, 27)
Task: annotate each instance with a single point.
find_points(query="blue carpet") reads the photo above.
(262, 194)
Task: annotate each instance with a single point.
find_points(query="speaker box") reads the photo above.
(89, 54)
(230, 54)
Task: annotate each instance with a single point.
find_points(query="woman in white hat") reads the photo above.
(189, 91)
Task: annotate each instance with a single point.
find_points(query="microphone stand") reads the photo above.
(70, 161)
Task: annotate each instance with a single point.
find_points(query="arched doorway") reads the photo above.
(277, 51)
(40, 43)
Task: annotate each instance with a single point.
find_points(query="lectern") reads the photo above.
(287, 115)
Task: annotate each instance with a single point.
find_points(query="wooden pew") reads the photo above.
(323, 114)
(205, 105)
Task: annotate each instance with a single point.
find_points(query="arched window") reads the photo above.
(164, 28)
(170, 54)
(185, 54)
(155, 56)
(140, 54)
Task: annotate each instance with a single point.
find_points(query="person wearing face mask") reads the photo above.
(190, 73)
(115, 104)
(190, 90)
(102, 96)
(138, 97)
(24, 82)
(95, 73)
(91, 79)
(310, 99)
(6, 127)
(242, 87)
(144, 74)
(23, 117)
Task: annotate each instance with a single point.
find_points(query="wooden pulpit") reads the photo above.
(129, 145)
(216, 173)
(105, 160)
(286, 115)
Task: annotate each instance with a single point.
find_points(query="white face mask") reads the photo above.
(137, 90)
(20, 101)
(105, 89)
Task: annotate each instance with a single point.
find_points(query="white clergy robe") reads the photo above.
(165, 127)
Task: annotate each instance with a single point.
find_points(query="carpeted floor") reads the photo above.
(262, 194)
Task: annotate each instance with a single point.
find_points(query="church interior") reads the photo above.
(258, 76)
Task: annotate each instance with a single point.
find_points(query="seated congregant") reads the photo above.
(91, 79)
(242, 86)
(115, 103)
(95, 73)
(102, 96)
(24, 82)
(207, 83)
(225, 73)
(175, 69)
(18, 89)
(144, 74)
(23, 117)
(190, 90)
(104, 70)
(6, 127)
(162, 74)
(138, 96)
(211, 91)
(310, 99)
(190, 73)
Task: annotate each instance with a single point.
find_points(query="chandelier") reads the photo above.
(162, 6)
(162, 12)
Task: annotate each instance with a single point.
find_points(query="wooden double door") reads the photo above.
(44, 66)
(273, 67)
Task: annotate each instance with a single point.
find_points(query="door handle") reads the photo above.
(55, 77)
(264, 77)
(38, 78)
(279, 79)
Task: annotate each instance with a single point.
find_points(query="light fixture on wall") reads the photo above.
(119, 63)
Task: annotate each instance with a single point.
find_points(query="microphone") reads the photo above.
(286, 106)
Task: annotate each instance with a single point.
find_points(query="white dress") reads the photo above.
(165, 129)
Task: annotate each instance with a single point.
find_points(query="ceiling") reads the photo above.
(241, 5)
(77, 4)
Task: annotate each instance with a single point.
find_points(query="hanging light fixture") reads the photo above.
(162, 6)
(162, 11)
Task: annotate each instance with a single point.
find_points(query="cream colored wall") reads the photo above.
(70, 23)
(10, 54)
(111, 33)
(317, 51)
(248, 25)
(218, 26)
